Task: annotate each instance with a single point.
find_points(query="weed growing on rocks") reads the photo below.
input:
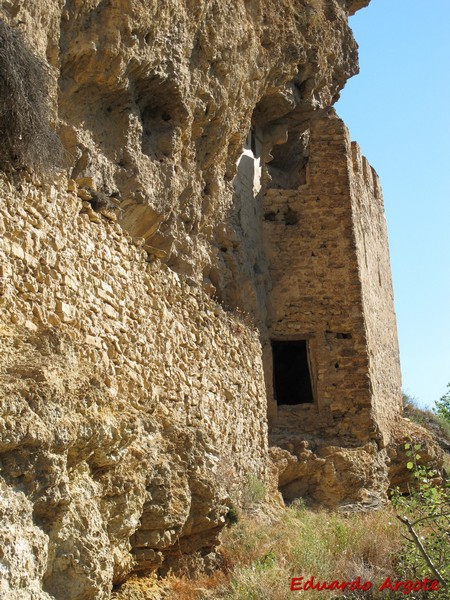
(28, 142)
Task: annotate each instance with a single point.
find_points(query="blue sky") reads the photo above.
(398, 109)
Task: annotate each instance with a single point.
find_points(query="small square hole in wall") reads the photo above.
(291, 374)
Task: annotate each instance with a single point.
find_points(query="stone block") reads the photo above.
(17, 251)
(66, 312)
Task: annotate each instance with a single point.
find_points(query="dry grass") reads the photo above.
(28, 141)
(436, 424)
(201, 587)
(262, 558)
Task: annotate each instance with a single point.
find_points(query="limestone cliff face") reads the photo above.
(134, 392)
(155, 99)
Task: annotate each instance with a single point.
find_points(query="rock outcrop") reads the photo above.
(137, 336)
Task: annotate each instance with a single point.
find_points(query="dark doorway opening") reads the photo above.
(291, 374)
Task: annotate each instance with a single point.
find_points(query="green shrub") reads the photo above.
(425, 512)
(442, 409)
(27, 140)
(253, 493)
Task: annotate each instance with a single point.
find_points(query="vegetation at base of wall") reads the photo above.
(261, 558)
(253, 493)
(27, 140)
(244, 496)
(246, 499)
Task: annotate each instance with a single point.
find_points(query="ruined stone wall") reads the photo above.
(324, 290)
(131, 401)
(377, 292)
(316, 289)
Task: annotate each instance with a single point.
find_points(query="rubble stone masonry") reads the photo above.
(132, 403)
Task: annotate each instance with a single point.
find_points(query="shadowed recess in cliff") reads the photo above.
(162, 113)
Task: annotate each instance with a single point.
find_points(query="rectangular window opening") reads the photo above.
(291, 373)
